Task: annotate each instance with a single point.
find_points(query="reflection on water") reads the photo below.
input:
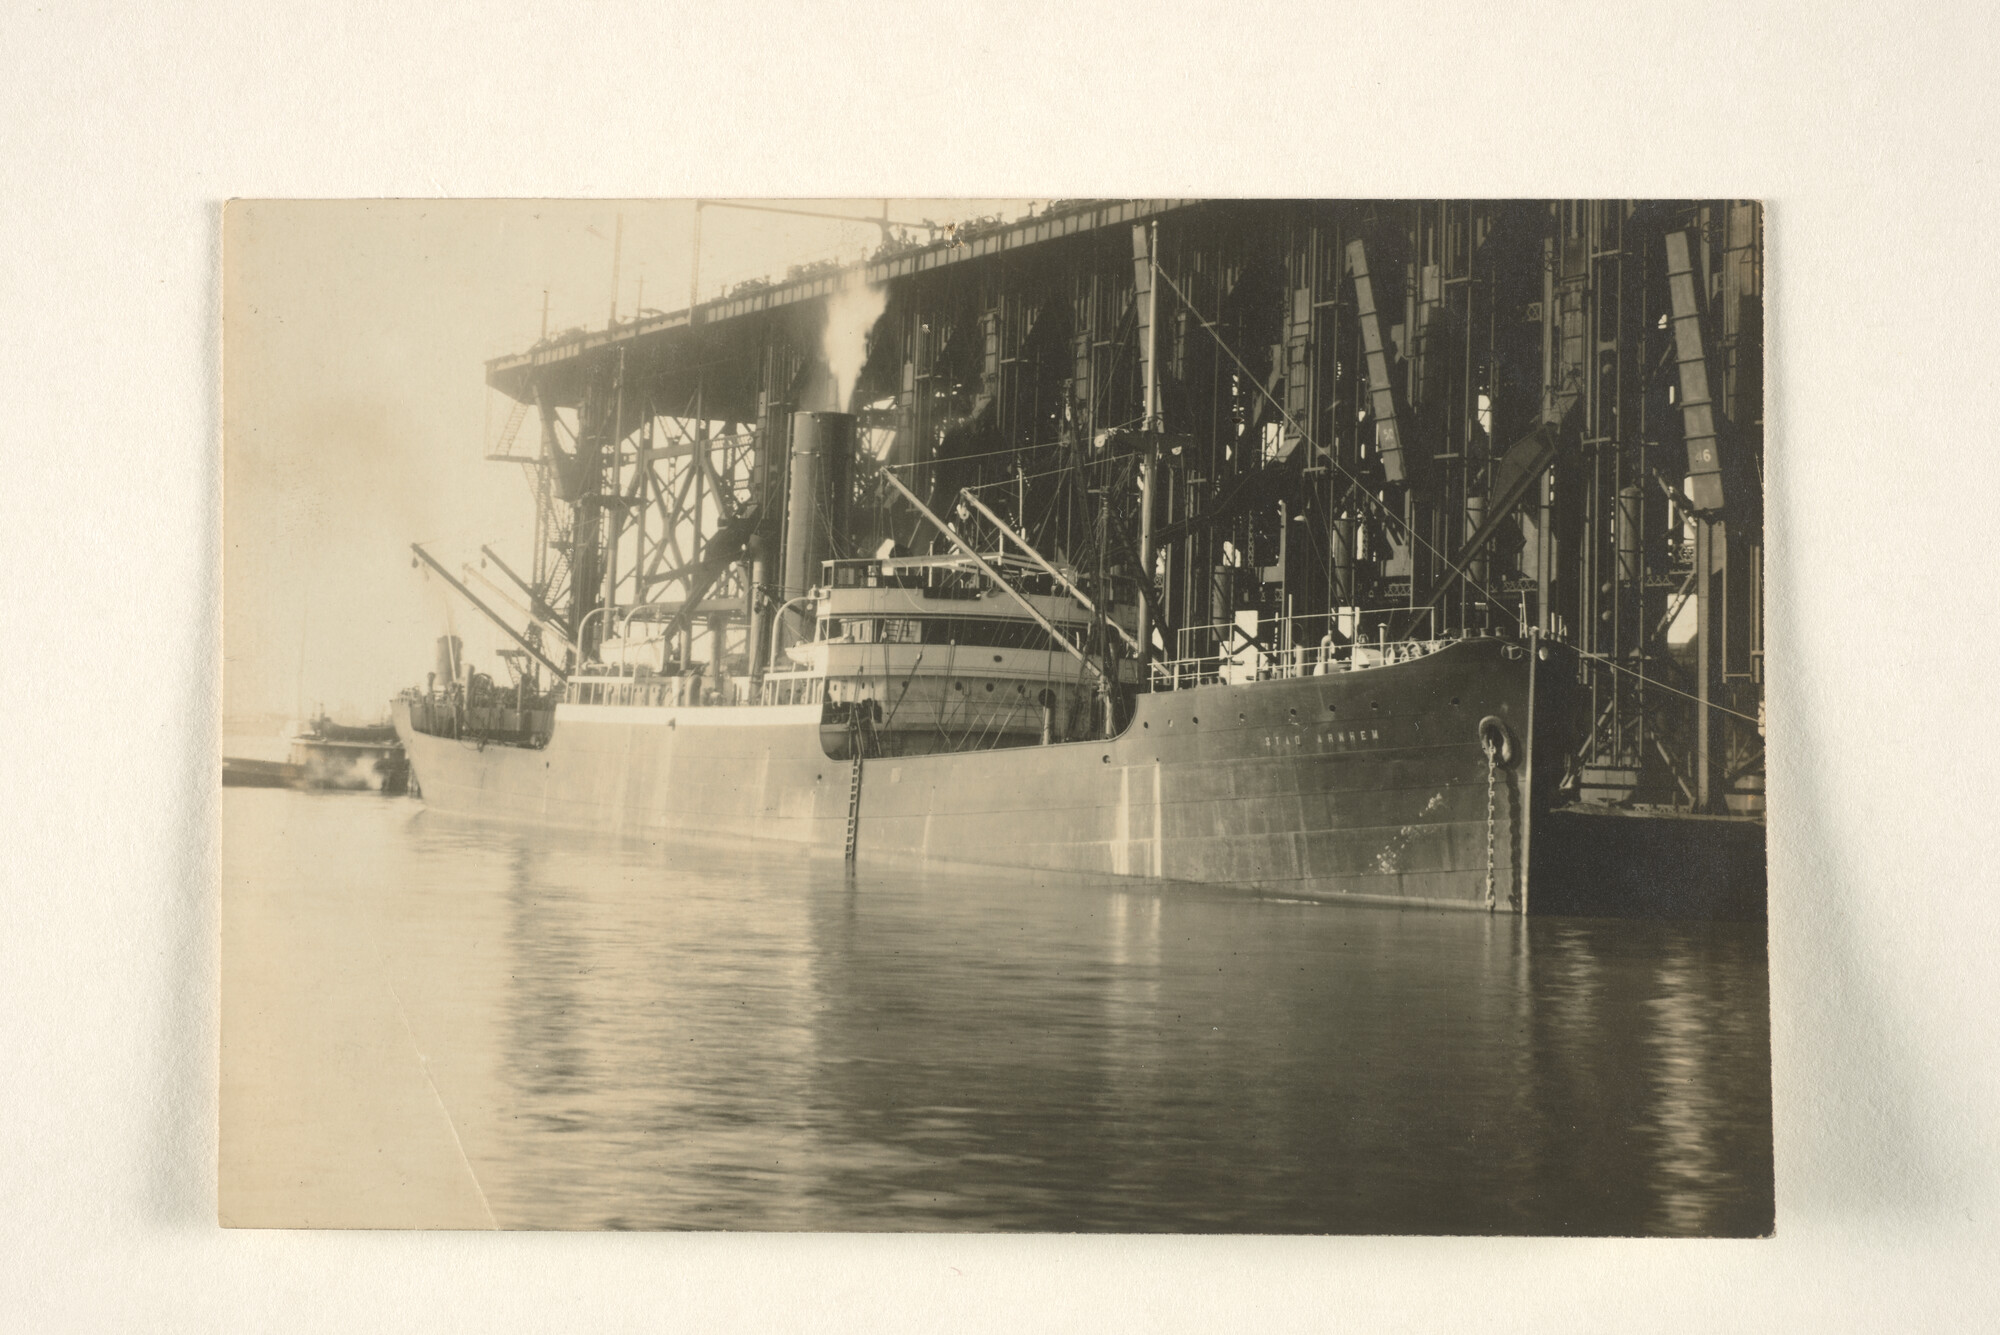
(706, 1036)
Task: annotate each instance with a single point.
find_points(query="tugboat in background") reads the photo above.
(356, 757)
(327, 755)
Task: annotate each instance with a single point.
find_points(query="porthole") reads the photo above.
(958, 686)
(1374, 706)
(989, 688)
(1242, 718)
(1145, 725)
(998, 659)
(1454, 702)
(1332, 708)
(1196, 720)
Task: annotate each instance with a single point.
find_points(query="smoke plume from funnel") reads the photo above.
(851, 313)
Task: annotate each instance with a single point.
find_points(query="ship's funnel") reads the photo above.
(816, 505)
(450, 654)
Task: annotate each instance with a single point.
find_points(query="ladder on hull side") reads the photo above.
(854, 806)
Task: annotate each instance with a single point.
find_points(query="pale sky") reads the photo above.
(356, 417)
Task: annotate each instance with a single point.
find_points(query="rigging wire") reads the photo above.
(1359, 486)
(1033, 477)
(996, 454)
(1615, 666)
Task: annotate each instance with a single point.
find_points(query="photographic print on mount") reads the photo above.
(1001, 715)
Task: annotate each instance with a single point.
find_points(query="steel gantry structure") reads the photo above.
(1293, 421)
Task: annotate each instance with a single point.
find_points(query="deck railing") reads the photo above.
(1285, 647)
(695, 690)
(442, 716)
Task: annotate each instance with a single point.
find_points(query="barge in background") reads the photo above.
(324, 754)
(364, 757)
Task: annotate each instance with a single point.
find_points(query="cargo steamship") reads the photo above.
(961, 695)
(939, 706)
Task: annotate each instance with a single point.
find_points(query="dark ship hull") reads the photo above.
(1372, 785)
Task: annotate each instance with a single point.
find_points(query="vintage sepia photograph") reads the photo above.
(997, 715)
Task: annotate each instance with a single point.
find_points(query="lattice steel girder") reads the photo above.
(1011, 364)
(559, 366)
(1389, 433)
(1697, 408)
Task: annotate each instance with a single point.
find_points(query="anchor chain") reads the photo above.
(1498, 744)
(1492, 774)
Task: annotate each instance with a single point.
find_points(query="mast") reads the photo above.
(491, 615)
(305, 612)
(1146, 239)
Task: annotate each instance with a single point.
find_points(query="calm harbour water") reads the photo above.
(700, 1035)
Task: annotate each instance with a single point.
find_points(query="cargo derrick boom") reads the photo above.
(1355, 420)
